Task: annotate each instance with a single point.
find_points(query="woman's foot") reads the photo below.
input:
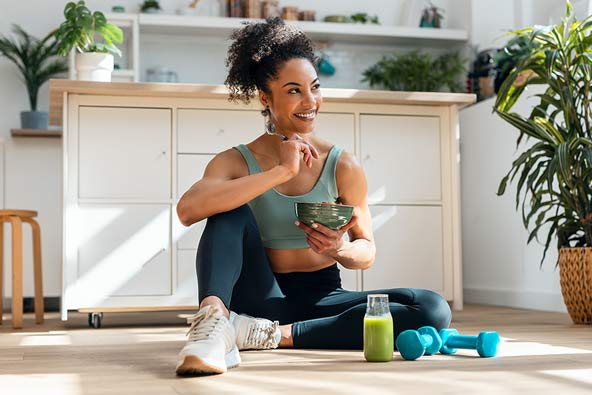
(210, 347)
(255, 333)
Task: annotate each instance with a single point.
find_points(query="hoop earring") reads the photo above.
(269, 126)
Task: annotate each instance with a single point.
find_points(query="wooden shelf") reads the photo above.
(36, 132)
(319, 31)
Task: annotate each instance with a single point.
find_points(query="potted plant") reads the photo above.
(150, 7)
(94, 60)
(416, 71)
(555, 171)
(35, 60)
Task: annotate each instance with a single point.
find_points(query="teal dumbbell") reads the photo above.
(486, 343)
(412, 344)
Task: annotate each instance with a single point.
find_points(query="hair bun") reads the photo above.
(257, 52)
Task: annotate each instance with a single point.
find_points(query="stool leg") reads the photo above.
(17, 272)
(1, 268)
(38, 275)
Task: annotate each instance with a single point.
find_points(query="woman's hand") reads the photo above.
(291, 151)
(323, 240)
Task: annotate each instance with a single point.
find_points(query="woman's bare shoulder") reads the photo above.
(230, 163)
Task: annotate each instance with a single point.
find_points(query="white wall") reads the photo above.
(499, 268)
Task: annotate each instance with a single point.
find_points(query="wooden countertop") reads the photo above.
(57, 88)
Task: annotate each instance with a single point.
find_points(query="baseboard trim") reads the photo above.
(532, 300)
(50, 304)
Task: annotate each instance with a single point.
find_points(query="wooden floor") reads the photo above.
(541, 353)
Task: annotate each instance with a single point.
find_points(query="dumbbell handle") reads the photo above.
(461, 341)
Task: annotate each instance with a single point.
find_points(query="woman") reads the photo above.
(253, 259)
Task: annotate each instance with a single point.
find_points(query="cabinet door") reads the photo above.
(123, 250)
(408, 248)
(337, 128)
(401, 157)
(213, 131)
(124, 153)
(186, 290)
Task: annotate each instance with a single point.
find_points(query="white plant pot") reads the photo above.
(93, 66)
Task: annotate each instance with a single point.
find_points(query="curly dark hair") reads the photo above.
(257, 52)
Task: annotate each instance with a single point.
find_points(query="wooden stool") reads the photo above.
(16, 218)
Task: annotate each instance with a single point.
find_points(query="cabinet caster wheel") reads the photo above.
(94, 320)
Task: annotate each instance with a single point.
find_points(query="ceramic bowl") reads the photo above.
(333, 216)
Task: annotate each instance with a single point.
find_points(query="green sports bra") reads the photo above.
(274, 211)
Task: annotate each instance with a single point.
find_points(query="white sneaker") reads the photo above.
(211, 347)
(255, 333)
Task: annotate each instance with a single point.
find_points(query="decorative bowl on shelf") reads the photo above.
(332, 215)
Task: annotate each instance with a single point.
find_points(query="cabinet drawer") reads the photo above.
(409, 249)
(213, 131)
(124, 153)
(401, 157)
(337, 128)
(186, 278)
(123, 250)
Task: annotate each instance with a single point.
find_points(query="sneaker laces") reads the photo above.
(204, 323)
(261, 334)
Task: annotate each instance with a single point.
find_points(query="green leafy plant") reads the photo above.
(34, 58)
(149, 4)
(80, 28)
(362, 17)
(555, 172)
(416, 71)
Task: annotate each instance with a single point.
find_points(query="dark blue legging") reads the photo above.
(232, 265)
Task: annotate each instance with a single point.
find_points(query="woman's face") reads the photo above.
(295, 97)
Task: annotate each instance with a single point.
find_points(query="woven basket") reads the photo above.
(575, 268)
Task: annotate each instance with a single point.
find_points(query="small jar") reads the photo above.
(290, 13)
(307, 15)
(271, 9)
(379, 342)
(253, 9)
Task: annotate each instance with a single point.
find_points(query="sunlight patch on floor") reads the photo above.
(46, 384)
(581, 375)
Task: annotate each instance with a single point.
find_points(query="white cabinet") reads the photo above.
(401, 157)
(405, 158)
(408, 248)
(186, 287)
(338, 129)
(130, 156)
(213, 130)
(123, 250)
(124, 153)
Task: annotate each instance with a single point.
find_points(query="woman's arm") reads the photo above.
(359, 252)
(226, 184)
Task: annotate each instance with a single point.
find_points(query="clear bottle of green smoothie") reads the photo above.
(378, 330)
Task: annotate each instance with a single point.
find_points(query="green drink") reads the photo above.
(378, 330)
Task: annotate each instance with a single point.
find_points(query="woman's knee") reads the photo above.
(434, 308)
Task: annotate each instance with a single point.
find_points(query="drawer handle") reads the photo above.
(154, 256)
